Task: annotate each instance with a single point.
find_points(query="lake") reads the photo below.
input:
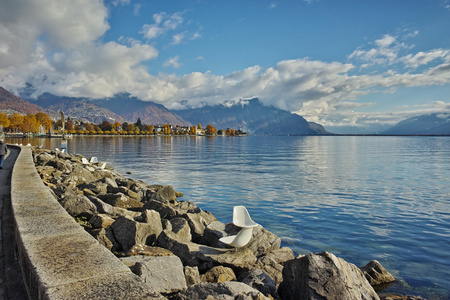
(359, 197)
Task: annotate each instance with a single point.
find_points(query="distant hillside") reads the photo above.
(252, 117)
(10, 104)
(78, 108)
(433, 124)
(132, 108)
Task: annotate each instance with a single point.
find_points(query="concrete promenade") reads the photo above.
(11, 282)
(58, 259)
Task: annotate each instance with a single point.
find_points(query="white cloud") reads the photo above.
(163, 23)
(137, 9)
(178, 38)
(173, 62)
(423, 58)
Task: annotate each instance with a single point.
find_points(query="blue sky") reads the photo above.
(339, 63)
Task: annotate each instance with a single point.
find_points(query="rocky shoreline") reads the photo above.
(174, 246)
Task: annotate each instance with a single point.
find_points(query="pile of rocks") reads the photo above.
(174, 245)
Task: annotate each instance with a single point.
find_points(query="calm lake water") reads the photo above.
(361, 198)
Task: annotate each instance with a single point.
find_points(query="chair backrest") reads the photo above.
(242, 238)
(242, 218)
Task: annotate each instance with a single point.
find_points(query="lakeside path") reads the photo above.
(11, 282)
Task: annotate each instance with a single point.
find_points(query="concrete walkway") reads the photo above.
(11, 283)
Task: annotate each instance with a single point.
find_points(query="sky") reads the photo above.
(363, 63)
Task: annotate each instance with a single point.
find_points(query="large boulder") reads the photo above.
(163, 273)
(324, 276)
(128, 232)
(376, 274)
(78, 205)
(222, 290)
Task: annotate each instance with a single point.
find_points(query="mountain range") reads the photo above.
(432, 124)
(247, 115)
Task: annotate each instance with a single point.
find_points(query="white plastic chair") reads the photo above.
(239, 240)
(242, 218)
(94, 159)
(85, 161)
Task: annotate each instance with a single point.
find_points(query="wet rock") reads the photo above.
(218, 274)
(323, 276)
(376, 274)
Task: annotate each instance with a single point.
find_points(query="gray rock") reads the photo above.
(224, 290)
(78, 205)
(376, 274)
(198, 223)
(101, 221)
(259, 280)
(281, 255)
(128, 232)
(213, 232)
(323, 276)
(218, 274)
(181, 228)
(163, 273)
(109, 181)
(114, 212)
(165, 193)
(120, 200)
(106, 238)
(165, 210)
(271, 267)
(96, 187)
(124, 190)
(205, 257)
(192, 275)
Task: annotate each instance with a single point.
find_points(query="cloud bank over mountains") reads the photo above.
(58, 47)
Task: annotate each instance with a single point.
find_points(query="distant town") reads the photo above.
(41, 125)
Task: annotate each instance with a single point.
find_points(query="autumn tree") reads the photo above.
(15, 121)
(44, 120)
(210, 129)
(105, 126)
(30, 124)
(4, 120)
(199, 126)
